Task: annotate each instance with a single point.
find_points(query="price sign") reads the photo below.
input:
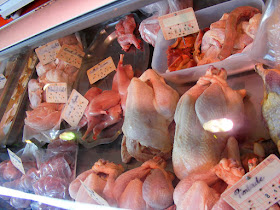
(3, 81)
(56, 92)
(101, 70)
(16, 161)
(94, 195)
(74, 109)
(47, 53)
(71, 55)
(178, 24)
(258, 189)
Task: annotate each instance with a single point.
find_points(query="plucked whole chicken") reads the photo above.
(150, 108)
(271, 101)
(196, 150)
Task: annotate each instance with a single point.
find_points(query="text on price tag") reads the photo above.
(56, 92)
(74, 109)
(178, 24)
(47, 53)
(101, 70)
(258, 189)
(3, 81)
(71, 55)
(16, 161)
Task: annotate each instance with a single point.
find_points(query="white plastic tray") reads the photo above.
(234, 64)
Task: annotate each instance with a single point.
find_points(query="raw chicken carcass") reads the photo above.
(124, 32)
(271, 101)
(150, 183)
(100, 178)
(147, 118)
(196, 150)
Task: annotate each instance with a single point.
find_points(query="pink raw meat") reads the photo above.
(35, 93)
(114, 115)
(46, 116)
(121, 81)
(124, 31)
(103, 102)
(56, 167)
(28, 179)
(54, 187)
(10, 172)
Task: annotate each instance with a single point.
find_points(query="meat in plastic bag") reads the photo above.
(149, 27)
(266, 47)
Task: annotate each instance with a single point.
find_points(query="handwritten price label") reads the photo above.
(56, 92)
(47, 53)
(178, 24)
(71, 55)
(258, 189)
(74, 108)
(101, 70)
(16, 161)
(3, 81)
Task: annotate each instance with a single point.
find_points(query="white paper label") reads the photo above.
(74, 109)
(3, 81)
(56, 92)
(258, 189)
(16, 161)
(178, 24)
(71, 55)
(101, 70)
(94, 195)
(47, 53)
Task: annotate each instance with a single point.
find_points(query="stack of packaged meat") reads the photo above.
(47, 172)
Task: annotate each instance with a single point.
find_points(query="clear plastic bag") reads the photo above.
(149, 27)
(266, 47)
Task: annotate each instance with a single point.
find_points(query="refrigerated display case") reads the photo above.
(50, 160)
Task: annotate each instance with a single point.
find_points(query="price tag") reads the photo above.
(258, 189)
(56, 92)
(101, 70)
(47, 53)
(74, 109)
(3, 81)
(16, 161)
(178, 24)
(94, 195)
(71, 55)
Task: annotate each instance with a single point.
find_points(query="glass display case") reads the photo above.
(99, 110)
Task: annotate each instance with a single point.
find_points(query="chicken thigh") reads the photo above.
(150, 108)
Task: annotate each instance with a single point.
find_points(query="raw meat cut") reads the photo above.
(147, 118)
(124, 31)
(271, 101)
(46, 116)
(149, 29)
(231, 25)
(121, 80)
(150, 183)
(196, 150)
(35, 93)
(103, 110)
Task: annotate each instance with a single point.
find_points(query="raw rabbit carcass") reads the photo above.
(196, 150)
(150, 108)
(271, 101)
